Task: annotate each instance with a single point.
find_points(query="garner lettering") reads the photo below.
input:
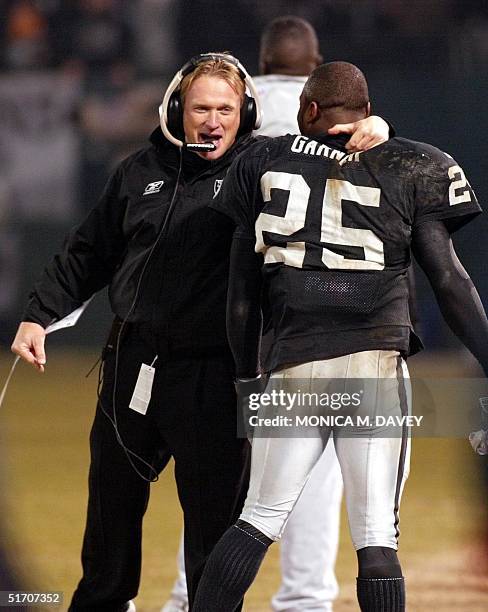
(304, 145)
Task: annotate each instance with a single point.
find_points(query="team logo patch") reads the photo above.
(217, 186)
(153, 187)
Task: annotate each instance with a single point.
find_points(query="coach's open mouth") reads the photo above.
(210, 138)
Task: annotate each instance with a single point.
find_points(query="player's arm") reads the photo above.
(236, 200)
(412, 299)
(244, 319)
(454, 290)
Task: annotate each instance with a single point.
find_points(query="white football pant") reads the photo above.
(374, 468)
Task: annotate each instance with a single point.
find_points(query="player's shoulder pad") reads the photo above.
(426, 159)
(410, 158)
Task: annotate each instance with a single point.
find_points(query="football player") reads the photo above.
(328, 238)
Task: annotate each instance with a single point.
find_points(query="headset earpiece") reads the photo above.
(175, 115)
(248, 116)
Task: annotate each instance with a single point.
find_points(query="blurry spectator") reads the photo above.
(416, 17)
(218, 26)
(94, 32)
(154, 31)
(26, 36)
(39, 168)
(312, 11)
(9, 265)
(114, 122)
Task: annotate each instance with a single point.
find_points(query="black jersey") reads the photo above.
(335, 231)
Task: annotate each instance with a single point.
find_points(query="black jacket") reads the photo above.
(183, 283)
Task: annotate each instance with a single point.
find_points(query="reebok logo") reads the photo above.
(153, 187)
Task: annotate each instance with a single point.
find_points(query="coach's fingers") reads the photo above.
(362, 136)
(361, 142)
(38, 344)
(369, 132)
(29, 344)
(24, 352)
(343, 128)
(366, 133)
(364, 141)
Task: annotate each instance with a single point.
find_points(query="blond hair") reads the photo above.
(218, 68)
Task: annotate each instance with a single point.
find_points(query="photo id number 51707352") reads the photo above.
(30, 598)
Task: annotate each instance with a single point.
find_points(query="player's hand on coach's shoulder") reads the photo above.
(365, 134)
(29, 344)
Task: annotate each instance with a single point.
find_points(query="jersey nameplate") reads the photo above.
(304, 145)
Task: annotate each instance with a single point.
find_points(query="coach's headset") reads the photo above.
(171, 108)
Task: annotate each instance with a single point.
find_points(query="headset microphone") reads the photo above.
(200, 146)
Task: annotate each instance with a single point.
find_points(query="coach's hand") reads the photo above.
(29, 344)
(366, 133)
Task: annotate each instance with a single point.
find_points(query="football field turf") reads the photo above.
(45, 423)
